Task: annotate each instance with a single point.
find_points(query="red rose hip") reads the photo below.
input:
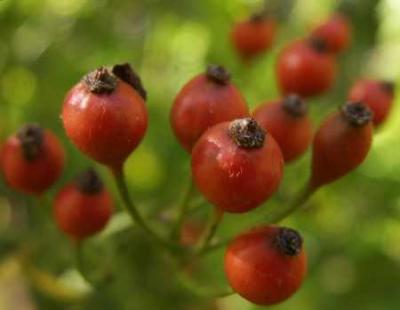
(377, 95)
(341, 144)
(305, 68)
(32, 160)
(266, 265)
(254, 36)
(287, 121)
(236, 165)
(105, 115)
(84, 207)
(206, 100)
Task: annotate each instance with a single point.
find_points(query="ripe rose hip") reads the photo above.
(305, 68)
(335, 32)
(341, 144)
(32, 160)
(377, 95)
(253, 36)
(206, 100)
(287, 121)
(266, 265)
(105, 115)
(84, 207)
(236, 165)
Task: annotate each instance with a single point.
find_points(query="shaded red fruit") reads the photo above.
(334, 32)
(287, 121)
(32, 160)
(305, 68)
(377, 95)
(84, 207)
(341, 144)
(236, 165)
(105, 115)
(254, 36)
(266, 265)
(208, 99)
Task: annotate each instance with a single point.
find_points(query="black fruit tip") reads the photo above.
(126, 73)
(318, 44)
(31, 137)
(247, 133)
(258, 17)
(89, 182)
(288, 241)
(100, 81)
(388, 86)
(356, 113)
(218, 74)
(294, 105)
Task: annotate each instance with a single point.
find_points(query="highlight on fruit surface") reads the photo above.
(267, 264)
(288, 122)
(105, 114)
(341, 144)
(32, 159)
(206, 100)
(237, 165)
(83, 207)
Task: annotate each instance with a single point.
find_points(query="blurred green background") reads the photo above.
(351, 228)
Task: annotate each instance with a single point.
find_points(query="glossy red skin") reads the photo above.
(81, 215)
(372, 94)
(201, 104)
(338, 149)
(335, 32)
(252, 38)
(304, 71)
(106, 127)
(259, 272)
(38, 175)
(235, 179)
(292, 133)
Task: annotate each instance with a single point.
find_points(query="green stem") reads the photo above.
(135, 215)
(80, 266)
(210, 230)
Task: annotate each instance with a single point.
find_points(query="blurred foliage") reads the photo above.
(351, 228)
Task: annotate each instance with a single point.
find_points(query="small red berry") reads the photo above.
(105, 115)
(305, 68)
(287, 121)
(84, 207)
(335, 32)
(32, 160)
(206, 100)
(236, 165)
(253, 36)
(341, 144)
(377, 95)
(266, 265)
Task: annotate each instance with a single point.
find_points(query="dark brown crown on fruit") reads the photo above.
(89, 182)
(356, 113)
(318, 44)
(288, 241)
(100, 81)
(126, 73)
(388, 86)
(31, 137)
(294, 105)
(218, 74)
(247, 133)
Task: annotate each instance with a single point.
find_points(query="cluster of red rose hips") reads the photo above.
(238, 157)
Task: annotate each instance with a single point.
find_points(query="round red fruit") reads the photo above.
(341, 144)
(32, 160)
(237, 165)
(254, 36)
(105, 115)
(206, 100)
(287, 121)
(305, 68)
(377, 95)
(84, 207)
(335, 32)
(266, 265)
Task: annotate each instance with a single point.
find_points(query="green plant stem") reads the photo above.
(80, 266)
(210, 230)
(137, 218)
(183, 208)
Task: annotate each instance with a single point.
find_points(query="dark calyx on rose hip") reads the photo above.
(88, 182)
(31, 138)
(102, 81)
(388, 86)
(357, 114)
(218, 74)
(247, 133)
(294, 105)
(319, 45)
(288, 241)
